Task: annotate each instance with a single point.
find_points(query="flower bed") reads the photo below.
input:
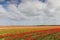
(51, 34)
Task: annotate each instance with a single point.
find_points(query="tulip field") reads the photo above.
(32, 33)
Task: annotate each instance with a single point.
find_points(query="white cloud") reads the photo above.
(3, 12)
(54, 10)
(47, 13)
(14, 13)
(32, 8)
(2, 9)
(26, 11)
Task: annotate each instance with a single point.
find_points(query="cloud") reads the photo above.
(3, 12)
(14, 13)
(47, 13)
(32, 8)
(2, 9)
(53, 12)
(26, 11)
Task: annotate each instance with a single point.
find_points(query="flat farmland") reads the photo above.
(12, 29)
(29, 32)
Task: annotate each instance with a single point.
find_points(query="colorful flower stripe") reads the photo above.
(51, 34)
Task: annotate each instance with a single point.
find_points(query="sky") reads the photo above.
(4, 20)
(30, 12)
(5, 1)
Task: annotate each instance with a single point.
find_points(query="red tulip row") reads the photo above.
(40, 34)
